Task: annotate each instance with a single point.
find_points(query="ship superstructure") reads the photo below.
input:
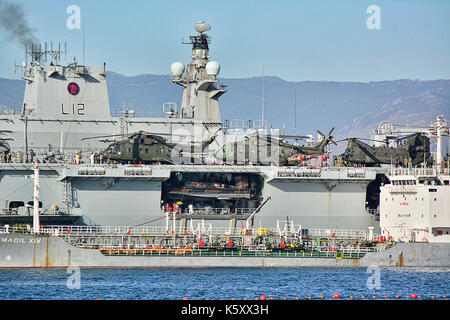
(66, 107)
(415, 206)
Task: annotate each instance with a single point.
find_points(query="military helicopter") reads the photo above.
(143, 147)
(260, 149)
(139, 147)
(411, 150)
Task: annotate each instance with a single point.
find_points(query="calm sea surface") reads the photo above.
(220, 283)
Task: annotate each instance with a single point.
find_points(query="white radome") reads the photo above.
(212, 68)
(202, 26)
(177, 69)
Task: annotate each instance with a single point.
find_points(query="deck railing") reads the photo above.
(74, 231)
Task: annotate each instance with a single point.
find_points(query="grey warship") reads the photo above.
(66, 121)
(185, 190)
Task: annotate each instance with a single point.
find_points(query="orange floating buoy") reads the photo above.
(284, 298)
(374, 297)
(445, 297)
(321, 297)
(413, 295)
(336, 295)
(432, 297)
(262, 297)
(385, 297)
(351, 297)
(185, 298)
(309, 298)
(297, 298)
(397, 297)
(363, 297)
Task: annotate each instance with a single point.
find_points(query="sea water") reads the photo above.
(221, 283)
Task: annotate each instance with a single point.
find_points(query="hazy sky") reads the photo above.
(295, 40)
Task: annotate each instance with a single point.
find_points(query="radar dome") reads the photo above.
(212, 68)
(202, 26)
(177, 69)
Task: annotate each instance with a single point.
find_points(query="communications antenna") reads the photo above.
(34, 50)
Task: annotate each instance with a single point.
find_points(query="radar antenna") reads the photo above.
(200, 41)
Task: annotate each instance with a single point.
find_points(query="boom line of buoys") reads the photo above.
(336, 295)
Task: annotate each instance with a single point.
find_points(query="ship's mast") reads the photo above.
(262, 106)
(441, 129)
(200, 85)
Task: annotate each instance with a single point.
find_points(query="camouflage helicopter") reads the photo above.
(411, 150)
(143, 147)
(260, 149)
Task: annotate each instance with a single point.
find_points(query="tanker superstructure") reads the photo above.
(66, 121)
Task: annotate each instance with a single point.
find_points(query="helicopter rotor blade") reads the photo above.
(329, 133)
(287, 136)
(383, 141)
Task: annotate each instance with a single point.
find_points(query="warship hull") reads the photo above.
(135, 195)
(34, 251)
